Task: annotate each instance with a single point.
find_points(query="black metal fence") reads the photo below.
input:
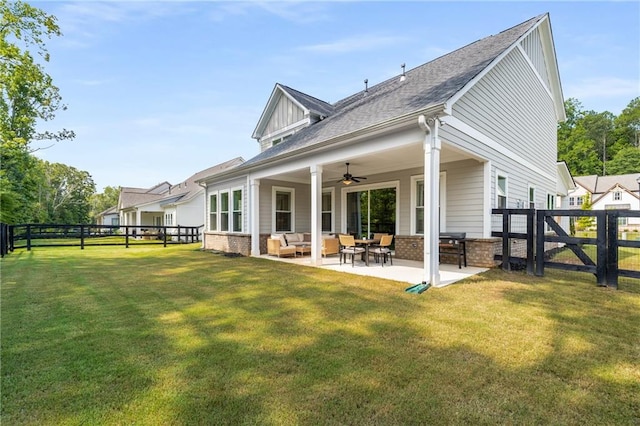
(55, 235)
(605, 243)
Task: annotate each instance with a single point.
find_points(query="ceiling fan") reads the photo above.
(348, 178)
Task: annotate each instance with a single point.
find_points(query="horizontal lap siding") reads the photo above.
(464, 197)
(510, 106)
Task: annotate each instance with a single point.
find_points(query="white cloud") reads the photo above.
(603, 87)
(354, 44)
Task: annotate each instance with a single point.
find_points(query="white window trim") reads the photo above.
(332, 191)
(499, 174)
(359, 188)
(229, 202)
(535, 194)
(442, 202)
(242, 213)
(617, 193)
(275, 189)
(217, 226)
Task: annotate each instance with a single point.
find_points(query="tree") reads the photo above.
(27, 96)
(626, 161)
(65, 194)
(101, 202)
(584, 223)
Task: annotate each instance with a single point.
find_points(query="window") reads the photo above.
(115, 221)
(283, 202)
(168, 219)
(213, 212)
(551, 201)
(532, 197)
(617, 196)
(572, 201)
(157, 220)
(224, 211)
(327, 211)
(237, 211)
(419, 208)
(579, 200)
(501, 192)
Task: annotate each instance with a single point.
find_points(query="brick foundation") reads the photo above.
(480, 251)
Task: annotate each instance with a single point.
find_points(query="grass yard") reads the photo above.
(151, 335)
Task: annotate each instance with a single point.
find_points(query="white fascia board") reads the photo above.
(453, 99)
(291, 127)
(277, 92)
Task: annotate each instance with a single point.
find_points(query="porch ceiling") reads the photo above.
(406, 157)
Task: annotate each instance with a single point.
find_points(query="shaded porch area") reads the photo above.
(403, 270)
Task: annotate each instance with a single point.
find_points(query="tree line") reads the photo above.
(36, 191)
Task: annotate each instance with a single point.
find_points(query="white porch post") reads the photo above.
(254, 216)
(316, 214)
(431, 200)
(138, 218)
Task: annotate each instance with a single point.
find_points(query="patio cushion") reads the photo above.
(281, 237)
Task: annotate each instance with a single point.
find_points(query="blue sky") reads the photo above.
(157, 91)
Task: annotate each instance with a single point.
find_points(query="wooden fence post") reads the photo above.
(612, 248)
(506, 248)
(540, 243)
(81, 237)
(126, 236)
(601, 247)
(28, 237)
(530, 236)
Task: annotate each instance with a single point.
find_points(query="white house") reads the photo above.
(435, 149)
(109, 217)
(616, 192)
(168, 205)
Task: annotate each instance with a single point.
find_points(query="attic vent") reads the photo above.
(403, 77)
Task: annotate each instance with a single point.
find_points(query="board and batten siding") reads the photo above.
(533, 47)
(510, 106)
(284, 114)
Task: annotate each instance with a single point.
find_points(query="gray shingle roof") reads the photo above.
(131, 197)
(602, 184)
(428, 85)
(314, 105)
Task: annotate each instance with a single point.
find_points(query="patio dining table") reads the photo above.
(366, 243)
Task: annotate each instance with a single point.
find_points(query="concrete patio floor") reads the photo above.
(408, 271)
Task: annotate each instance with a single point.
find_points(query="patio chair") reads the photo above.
(275, 247)
(348, 246)
(383, 249)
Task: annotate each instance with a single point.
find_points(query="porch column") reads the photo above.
(254, 216)
(316, 214)
(431, 199)
(138, 218)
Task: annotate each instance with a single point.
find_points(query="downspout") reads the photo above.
(203, 246)
(432, 147)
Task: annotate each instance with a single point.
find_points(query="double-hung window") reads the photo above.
(283, 215)
(224, 211)
(419, 207)
(327, 211)
(213, 212)
(617, 196)
(501, 192)
(237, 211)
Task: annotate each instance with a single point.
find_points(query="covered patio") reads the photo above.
(406, 271)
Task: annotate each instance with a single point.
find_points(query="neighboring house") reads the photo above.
(439, 145)
(620, 192)
(109, 217)
(166, 204)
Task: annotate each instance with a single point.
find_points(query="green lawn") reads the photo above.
(151, 335)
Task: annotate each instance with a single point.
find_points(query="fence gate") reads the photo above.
(551, 235)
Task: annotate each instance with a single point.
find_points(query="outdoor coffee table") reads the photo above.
(303, 250)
